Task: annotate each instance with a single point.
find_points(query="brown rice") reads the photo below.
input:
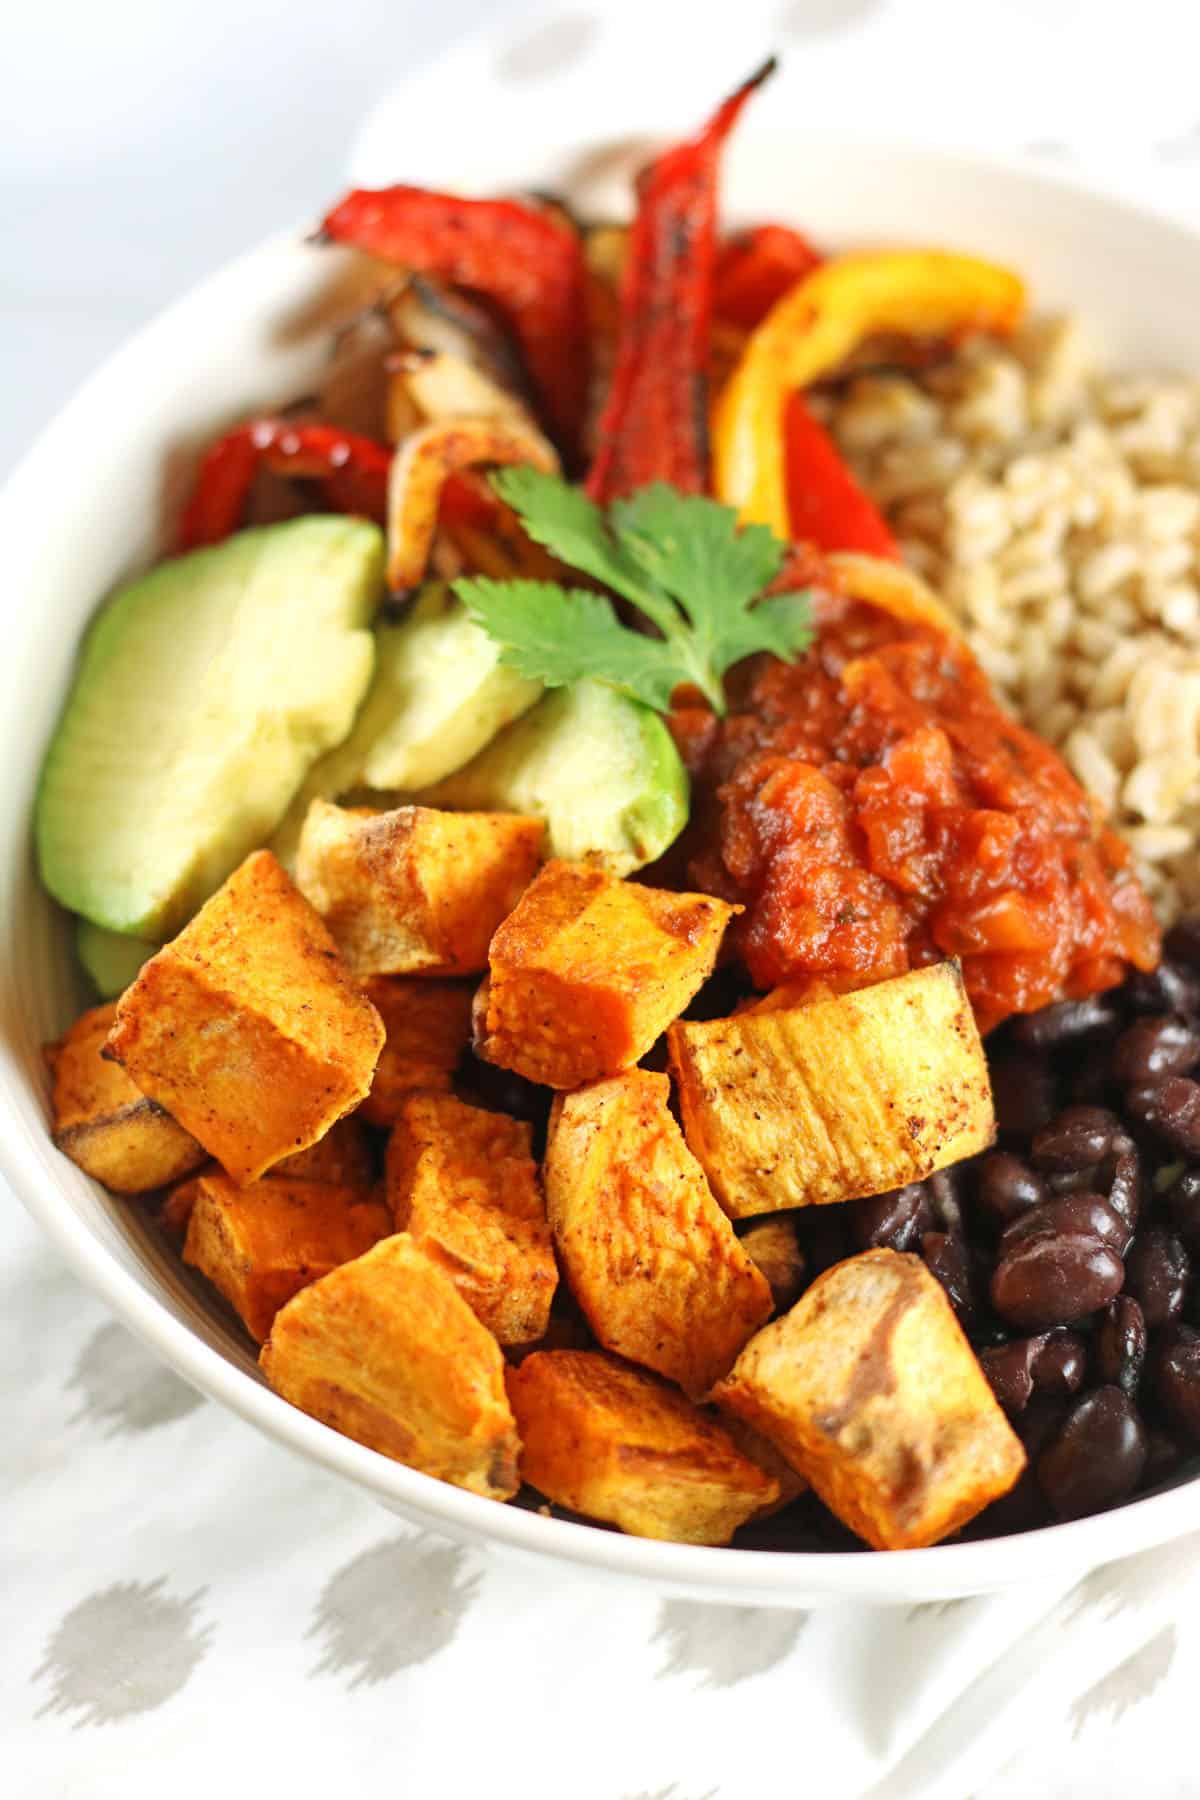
(1057, 509)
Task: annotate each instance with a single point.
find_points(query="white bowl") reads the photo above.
(86, 508)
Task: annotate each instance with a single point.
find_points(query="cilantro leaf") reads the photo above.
(558, 635)
(679, 559)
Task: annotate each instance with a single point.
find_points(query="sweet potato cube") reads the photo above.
(343, 1156)
(428, 1025)
(462, 1183)
(260, 1245)
(415, 891)
(588, 971)
(773, 1246)
(836, 1099)
(616, 1443)
(387, 1351)
(106, 1124)
(870, 1389)
(247, 1027)
(648, 1253)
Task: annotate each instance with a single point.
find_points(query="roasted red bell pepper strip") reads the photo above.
(527, 261)
(755, 269)
(655, 424)
(825, 504)
(354, 471)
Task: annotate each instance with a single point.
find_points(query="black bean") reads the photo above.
(1163, 1456)
(1060, 1365)
(1097, 1458)
(1024, 1093)
(825, 1236)
(1124, 1183)
(1090, 1077)
(945, 1194)
(1077, 1138)
(1166, 1045)
(1182, 943)
(1065, 1022)
(1157, 1272)
(893, 1221)
(946, 1257)
(1175, 1377)
(1009, 1368)
(1056, 1280)
(1182, 1201)
(1119, 1347)
(1171, 988)
(1089, 1213)
(1006, 1188)
(1075, 1181)
(1171, 1109)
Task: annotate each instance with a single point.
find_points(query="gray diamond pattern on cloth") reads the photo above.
(390, 1608)
(725, 1644)
(126, 1649)
(125, 1389)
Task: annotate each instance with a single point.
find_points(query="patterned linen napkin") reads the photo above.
(185, 1603)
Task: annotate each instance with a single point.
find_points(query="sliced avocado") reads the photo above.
(438, 695)
(110, 961)
(204, 692)
(601, 769)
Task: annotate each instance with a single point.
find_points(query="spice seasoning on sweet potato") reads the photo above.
(650, 1256)
(247, 1026)
(837, 1099)
(616, 1443)
(104, 1122)
(386, 1350)
(462, 1182)
(870, 1389)
(428, 1025)
(587, 971)
(261, 1244)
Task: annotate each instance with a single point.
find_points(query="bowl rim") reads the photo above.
(765, 1577)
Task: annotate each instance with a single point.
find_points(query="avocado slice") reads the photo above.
(109, 960)
(438, 696)
(601, 769)
(204, 692)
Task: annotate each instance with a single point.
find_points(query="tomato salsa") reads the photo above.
(875, 809)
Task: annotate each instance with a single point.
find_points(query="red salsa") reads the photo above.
(875, 809)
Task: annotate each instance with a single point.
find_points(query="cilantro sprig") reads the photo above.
(679, 559)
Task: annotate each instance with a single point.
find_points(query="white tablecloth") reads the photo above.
(183, 1603)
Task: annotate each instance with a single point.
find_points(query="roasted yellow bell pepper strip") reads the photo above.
(893, 589)
(816, 325)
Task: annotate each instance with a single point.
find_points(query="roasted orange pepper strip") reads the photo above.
(912, 293)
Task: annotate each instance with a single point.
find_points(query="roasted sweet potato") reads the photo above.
(415, 891)
(773, 1246)
(386, 1350)
(588, 971)
(871, 1391)
(616, 1443)
(648, 1253)
(343, 1156)
(465, 1187)
(248, 1027)
(106, 1124)
(260, 1245)
(428, 1025)
(836, 1099)
(463, 1184)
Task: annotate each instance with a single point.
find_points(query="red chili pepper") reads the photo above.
(756, 268)
(354, 470)
(526, 261)
(826, 506)
(655, 424)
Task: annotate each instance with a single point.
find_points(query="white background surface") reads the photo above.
(142, 144)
